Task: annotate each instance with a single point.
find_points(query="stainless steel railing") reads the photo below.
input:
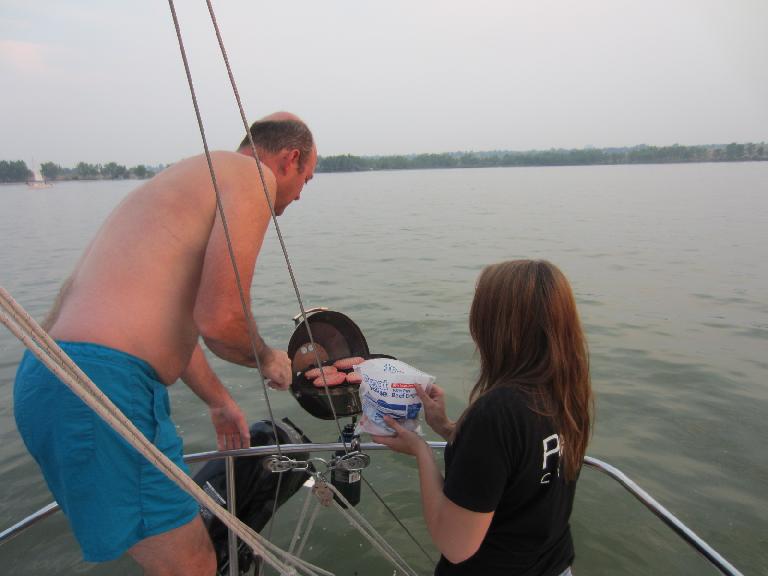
(664, 515)
(646, 499)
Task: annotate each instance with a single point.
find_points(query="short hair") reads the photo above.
(275, 135)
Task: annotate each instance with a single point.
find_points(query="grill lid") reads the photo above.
(336, 336)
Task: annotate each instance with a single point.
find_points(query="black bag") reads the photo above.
(255, 490)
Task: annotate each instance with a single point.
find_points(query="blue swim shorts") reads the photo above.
(111, 495)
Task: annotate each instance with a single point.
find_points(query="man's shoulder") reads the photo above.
(221, 159)
(242, 168)
(229, 156)
(234, 171)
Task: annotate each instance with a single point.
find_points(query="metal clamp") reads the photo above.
(281, 464)
(351, 462)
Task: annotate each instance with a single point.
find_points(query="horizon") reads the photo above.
(161, 165)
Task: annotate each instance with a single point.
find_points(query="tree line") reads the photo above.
(556, 157)
(18, 171)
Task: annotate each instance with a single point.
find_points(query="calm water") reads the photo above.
(670, 271)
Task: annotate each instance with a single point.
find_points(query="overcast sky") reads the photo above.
(102, 80)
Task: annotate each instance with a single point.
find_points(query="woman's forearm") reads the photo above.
(431, 484)
(456, 531)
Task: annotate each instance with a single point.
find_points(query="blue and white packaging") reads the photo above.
(388, 389)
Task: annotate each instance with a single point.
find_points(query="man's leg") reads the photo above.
(183, 551)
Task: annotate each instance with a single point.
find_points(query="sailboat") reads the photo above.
(37, 180)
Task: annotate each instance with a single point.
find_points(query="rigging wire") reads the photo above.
(236, 92)
(241, 294)
(219, 206)
(240, 108)
(400, 522)
(357, 520)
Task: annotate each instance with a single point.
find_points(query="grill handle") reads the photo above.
(297, 318)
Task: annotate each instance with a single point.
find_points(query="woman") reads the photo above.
(514, 455)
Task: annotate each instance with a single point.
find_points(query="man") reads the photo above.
(156, 278)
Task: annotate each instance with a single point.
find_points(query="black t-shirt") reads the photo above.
(506, 458)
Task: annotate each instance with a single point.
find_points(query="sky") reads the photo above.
(100, 81)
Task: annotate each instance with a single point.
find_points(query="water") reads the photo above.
(669, 269)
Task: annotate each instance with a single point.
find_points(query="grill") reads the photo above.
(336, 336)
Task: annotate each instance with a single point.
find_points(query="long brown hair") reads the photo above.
(528, 334)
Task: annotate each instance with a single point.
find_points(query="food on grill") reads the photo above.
(348, 363)
(354, 378)
(332, 379)
(306, 356)
(315, 372)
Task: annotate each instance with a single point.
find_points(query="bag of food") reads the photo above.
(388, 388)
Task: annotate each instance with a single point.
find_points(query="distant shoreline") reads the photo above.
(16, 172)
(676, 154)
(573, 165)
(319, 171)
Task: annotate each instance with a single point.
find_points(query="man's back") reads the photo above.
(136, 286)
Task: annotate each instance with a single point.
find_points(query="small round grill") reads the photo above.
(336, 336)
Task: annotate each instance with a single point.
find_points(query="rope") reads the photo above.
(310, 525)
(400, 522)
(21, 325)
(369, 532)
(300, 521)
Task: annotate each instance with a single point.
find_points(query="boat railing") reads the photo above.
(677, 526)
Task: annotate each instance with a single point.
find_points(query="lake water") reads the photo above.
(669, 268)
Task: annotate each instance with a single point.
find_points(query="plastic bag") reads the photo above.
(388, 389)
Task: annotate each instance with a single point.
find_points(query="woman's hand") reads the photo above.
(404, 441)
(434, 410)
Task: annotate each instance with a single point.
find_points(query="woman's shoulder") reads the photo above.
(503, 394)
(509, 412)
(497, 418)
(500, 400)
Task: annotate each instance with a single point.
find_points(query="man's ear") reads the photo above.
(294, 156)
(287, 158)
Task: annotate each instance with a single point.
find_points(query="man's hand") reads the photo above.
(434, 410)
(228, 420)
(231, 426)
(276, 366)
(404, 441)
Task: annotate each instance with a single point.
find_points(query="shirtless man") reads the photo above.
(156, 278)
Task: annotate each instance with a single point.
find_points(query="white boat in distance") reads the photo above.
(37, 180)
